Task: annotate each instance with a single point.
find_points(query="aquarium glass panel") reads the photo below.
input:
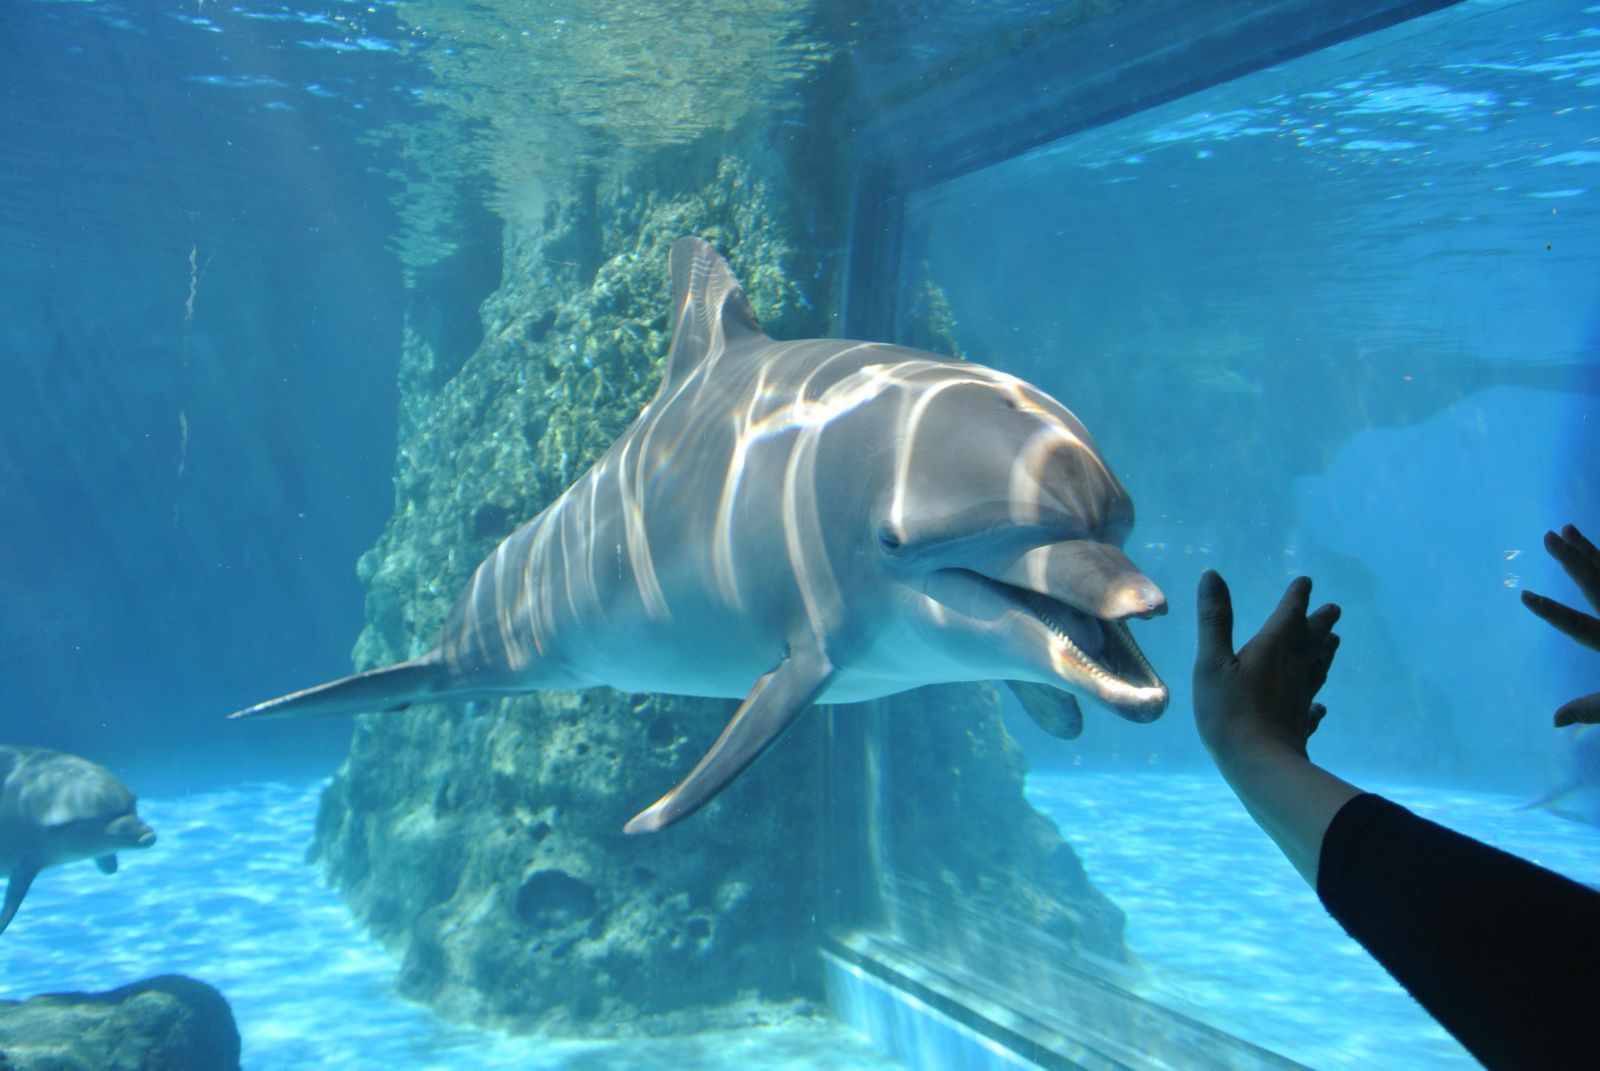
(1337, 317)
(468, 601)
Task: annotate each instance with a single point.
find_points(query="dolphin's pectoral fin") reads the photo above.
(772, 705)
(21, 879)
(107, 863)
(1053, 710)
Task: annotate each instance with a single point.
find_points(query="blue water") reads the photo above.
(1340, 316)
(1225, 929)
(201, 331)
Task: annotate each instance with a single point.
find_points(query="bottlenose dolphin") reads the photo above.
(57, 808)
(801, 522)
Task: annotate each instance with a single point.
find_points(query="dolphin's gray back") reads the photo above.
(44, 788)
(718, 516)
(669, 539)
(615, 582)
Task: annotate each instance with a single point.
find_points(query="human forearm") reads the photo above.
(1255, 710)
(1505, 954)
(1291, 798)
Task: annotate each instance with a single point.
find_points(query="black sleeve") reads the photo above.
(1503, 953)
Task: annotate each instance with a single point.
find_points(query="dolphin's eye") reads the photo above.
(889, 539)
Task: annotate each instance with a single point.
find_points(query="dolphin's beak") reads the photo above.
(1134, 595)
(132, 831)
(1080, 594)
(1092, 577)
(1085, 591)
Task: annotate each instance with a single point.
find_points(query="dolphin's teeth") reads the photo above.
(1117, 636)
(1088, 663)
(1119, 633)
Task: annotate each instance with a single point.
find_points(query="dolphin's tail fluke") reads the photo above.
(395, 687)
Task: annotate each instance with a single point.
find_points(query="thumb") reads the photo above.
(1214, 609)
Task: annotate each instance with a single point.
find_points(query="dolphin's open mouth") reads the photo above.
(1098, 656)
(1061, 644)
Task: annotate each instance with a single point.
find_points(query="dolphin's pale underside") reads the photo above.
(795, 522)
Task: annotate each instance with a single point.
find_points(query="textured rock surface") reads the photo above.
(484, 840)
(169, 1023)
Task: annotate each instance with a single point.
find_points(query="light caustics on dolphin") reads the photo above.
(803, 521)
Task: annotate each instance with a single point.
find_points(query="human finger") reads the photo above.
(1575, 623)
(1579, 558)
(1314, 717)
(1584, 710)
(1291, 608)
(1570, 533)
(1214, 614)
(1320, 622)
(1322, 662)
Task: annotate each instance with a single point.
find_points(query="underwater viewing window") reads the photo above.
(497, 365)
(1321, 281)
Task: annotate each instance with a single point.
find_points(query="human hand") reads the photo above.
(1258, 702)
(1581, 561)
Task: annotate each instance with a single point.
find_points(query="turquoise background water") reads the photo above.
(1339, 317)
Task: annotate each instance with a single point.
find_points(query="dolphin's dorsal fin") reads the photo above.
(710, 307)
